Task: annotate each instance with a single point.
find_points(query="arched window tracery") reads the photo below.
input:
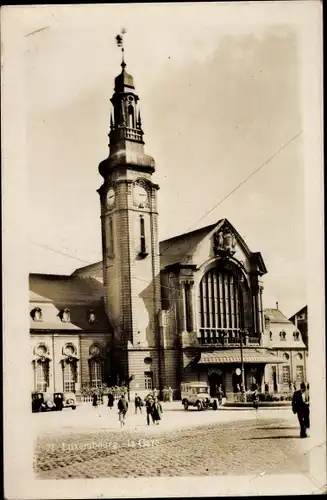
(221, 305)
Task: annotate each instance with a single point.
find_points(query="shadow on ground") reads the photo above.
(271, 437)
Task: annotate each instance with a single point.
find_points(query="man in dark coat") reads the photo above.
(138, 403)
(111, 399)
(122, 409)
(300, 406)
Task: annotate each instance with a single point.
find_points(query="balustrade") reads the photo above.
(229, 337)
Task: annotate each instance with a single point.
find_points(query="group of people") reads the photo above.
(153, 409)
(151, 403)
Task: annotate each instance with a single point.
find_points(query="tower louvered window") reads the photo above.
(143, 252)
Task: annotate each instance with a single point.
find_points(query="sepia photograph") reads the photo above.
(163, 250)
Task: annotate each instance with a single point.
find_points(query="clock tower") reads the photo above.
(129, 222)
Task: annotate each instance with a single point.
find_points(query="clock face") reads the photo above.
(140, 195)
(110, 197)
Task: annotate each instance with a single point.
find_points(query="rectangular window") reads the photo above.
(69, 377)
(286, 375)
(96, 374)
(299, 373)
(148, 381)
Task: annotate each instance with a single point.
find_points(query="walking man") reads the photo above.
(256, 399)
(138, 403)
(122, 409)
(300, 406)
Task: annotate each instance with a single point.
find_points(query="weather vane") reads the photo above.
(120, 43)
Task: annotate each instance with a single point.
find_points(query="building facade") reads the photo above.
(69, 331)
(285, 339)
(300, 320)
(150, 314)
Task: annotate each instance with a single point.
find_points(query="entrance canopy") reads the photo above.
(234, 356)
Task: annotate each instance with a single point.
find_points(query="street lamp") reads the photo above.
(242, 334)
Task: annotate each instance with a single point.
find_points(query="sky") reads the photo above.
(218, 100)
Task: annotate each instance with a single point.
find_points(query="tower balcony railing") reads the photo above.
(226, 337)
(133, 134)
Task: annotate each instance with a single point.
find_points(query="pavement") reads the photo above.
(89, 419)
(184, 444)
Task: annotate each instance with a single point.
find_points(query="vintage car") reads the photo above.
(43, 401)
(197, 394)
(69, 400)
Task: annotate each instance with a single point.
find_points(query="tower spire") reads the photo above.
(120, 43)
(126, 145)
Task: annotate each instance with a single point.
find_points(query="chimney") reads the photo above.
(276, 305)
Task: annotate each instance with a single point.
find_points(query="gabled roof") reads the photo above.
(92, 270)
(301, 311)
(80, 294)
(175, 250)
(179, 248)
(61, 289)
(276, 316)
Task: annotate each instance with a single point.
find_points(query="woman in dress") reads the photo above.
(157, 411)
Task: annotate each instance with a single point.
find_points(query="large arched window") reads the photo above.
(220, 305)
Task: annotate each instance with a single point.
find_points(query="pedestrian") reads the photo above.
(138, 403)
(111, 399)
(220, 395)
(94, 400)
(122, 409)
(255, 399)
(157, 411)
(149, 402)
(300, 406)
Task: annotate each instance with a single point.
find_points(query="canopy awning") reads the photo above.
(234, 356)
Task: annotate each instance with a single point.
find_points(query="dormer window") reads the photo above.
(91, 316)
(65, 315)
(282, 335)
(36, 314)
(296, 335)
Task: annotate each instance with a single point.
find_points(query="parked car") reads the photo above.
(43, 401)
(197, 394)
(37, 401)
(69, 400)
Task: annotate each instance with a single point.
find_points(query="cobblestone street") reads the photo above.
(256, 445)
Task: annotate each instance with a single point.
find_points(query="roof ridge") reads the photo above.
(193, 231)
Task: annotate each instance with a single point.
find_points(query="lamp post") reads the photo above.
(242, 333)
